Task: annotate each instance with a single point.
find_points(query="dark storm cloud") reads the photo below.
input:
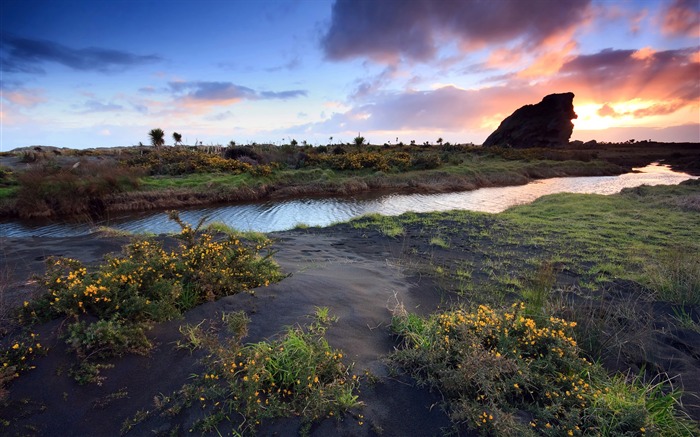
(226, 92)
(24, 55)
(602, 62)
(388, 29)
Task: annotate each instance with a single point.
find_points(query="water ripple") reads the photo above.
(286, 214)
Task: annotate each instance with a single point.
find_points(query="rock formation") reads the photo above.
(546, 124)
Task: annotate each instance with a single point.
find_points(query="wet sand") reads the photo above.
(356, 273)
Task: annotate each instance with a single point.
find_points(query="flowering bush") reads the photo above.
(296, 374)
(179, 161)
(503, 373)
(147, 284)
(16, 358)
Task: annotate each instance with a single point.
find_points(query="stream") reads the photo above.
(279, 215)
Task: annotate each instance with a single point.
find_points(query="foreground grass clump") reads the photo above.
(297, 374)
(110, 309)
(503, 373)
(675, 276)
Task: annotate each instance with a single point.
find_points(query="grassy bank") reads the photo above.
(91, 183)
(555, 286)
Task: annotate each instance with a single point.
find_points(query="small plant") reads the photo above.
(296, 374)
(540, 287)
(439, 242)
(17, 358)
(675, 276)
(236, 324)
(684, 319)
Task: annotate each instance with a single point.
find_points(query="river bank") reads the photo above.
(96, 183)
(602, 253)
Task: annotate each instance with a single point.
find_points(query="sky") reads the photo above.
(102, 73)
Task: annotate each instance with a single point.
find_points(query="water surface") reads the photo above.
(285, 214)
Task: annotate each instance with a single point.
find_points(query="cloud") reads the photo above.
(623, 75)
(389, 30)
(444, 109)
(608, 110)
(685, 132)
(24, 98)
(636, 84)
(282, 95)
(293, 64)
(24, 55)
(223, 93)
(682, 17)
(91, 106)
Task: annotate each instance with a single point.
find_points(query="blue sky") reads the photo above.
(103, 73)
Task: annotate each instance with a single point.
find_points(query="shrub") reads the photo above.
(180, 161)
(16, 357)
(503, 373)
(46, 190)
(110, 309)
(297, 374)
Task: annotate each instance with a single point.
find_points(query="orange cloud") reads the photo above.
(682, 17)
(550, 62)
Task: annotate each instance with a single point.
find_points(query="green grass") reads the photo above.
(388, 226)
(8, 192)
(219, 227)
(196, 181)
(674, 275)
(439, 242)
(592, 237)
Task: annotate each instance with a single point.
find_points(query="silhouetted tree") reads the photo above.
(359, 140)
(157, 137)
(177, 138)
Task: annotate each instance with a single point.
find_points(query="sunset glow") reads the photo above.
(98, 73)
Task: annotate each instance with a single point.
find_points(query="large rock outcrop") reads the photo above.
(546, 124)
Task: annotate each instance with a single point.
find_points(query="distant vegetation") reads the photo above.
(44, 182)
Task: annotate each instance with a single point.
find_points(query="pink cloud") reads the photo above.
(25, 98)
(682, 17)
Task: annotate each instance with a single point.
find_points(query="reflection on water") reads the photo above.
(282, 215)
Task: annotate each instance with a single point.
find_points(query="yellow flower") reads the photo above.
(16, 346)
